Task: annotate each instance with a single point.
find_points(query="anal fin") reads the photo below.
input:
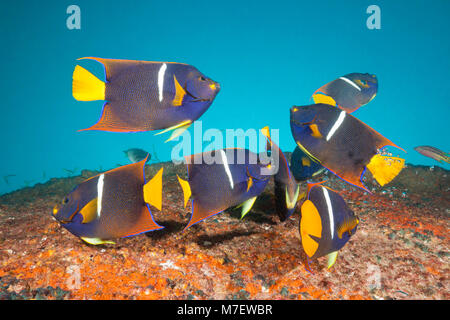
(96, 241)
(331, 259)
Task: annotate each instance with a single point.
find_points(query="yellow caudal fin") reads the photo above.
(179, 93)
(321, 98)
(385, 168)
(186, 190)
(86, 86)
(96, 241)
(153, 190)
(310, 225)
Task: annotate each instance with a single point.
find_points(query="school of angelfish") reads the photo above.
(167, 96)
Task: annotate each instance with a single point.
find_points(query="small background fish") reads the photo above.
(136, 155)
(433, 153)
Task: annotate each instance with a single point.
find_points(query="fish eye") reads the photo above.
(202, 78)
(65, 200)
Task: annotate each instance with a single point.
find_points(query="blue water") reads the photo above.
(267, 56)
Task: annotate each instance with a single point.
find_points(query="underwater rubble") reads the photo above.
(400, 251)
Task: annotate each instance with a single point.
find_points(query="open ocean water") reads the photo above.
(267, 56)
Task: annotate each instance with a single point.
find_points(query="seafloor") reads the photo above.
(400, 250)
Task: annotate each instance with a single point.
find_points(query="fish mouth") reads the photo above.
(201, 100)
(69, 220)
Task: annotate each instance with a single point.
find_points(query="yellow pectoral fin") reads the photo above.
(179, 93)
(306, 162)
(321, 98)
(249, 183)
(178, 129)
(86, 86)
(331, 259)
(96, 241)
(310, 224)
(347, 226)
(186, 190)
(246, 206)
(385, 168)
(315, 131)
(153, 190)
(89, 211)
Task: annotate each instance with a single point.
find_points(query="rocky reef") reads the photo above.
(400, 251)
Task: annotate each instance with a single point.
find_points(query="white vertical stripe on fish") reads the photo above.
(330, 211)
(99, 194)
(161, 73)
(227, 168)
(336, 125)
(350, 82)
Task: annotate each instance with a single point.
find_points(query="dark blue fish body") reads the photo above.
(343, 144)
(327, 223)
(144, 95)
(303, 167)
(348, 92)
(111, 205)
(225, 183)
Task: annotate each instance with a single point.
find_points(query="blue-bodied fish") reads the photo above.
(433, 153)
(234, 177)
(136, 155)
(343, 144)
(145, 95)
(327, 223)
(303, 167)
(348, 92)
(111, 205)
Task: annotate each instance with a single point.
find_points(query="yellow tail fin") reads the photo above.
(153, 190)
(385, 168)
(186, 190)
(86, 86)
(321, 98)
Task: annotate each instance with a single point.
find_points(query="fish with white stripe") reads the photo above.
(111, 205)
(343, 144)
(145, 95)
(220, 179)
(348, 92)
(327, 223)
